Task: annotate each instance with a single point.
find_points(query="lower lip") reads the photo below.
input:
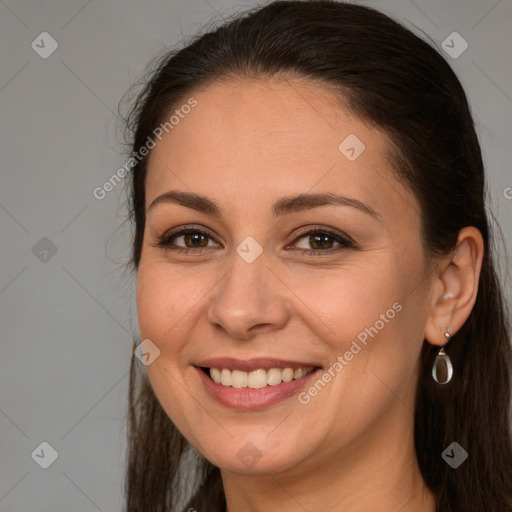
(250, 399)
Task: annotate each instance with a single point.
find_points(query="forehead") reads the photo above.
(261, 118)
(254, 140)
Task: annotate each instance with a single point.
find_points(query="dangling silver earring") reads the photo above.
(442, 370)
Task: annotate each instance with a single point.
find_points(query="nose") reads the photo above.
(248, 300)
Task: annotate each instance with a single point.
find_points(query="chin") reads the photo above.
(257, 454)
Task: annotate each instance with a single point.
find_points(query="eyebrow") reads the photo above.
(283, 206)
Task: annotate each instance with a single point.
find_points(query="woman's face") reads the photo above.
(252, 292)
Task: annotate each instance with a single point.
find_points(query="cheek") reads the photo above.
(152, 304)
(380, 323)
(371, 315)
(343, 303)
(163, 303)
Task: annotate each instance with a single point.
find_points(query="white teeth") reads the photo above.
(215, 375)
(225, 377)
(257, 379)
(287, 375)
(238, 379)
(274, 376)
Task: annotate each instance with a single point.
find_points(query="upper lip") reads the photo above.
(252, 364)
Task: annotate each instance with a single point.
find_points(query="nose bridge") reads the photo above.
(247, 296)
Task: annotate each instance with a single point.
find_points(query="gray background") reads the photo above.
(67, 317)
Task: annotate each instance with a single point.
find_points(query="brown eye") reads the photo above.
(317, 241)
(322, 241)
(196, 239)
(191, 239)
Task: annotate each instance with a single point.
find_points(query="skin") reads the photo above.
(245, 145)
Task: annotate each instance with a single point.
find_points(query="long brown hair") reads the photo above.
(397, 81)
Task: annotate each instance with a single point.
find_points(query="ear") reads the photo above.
(455, 287)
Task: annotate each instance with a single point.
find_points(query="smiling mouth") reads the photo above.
(256, 379)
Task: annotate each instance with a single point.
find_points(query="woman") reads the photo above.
(323, 327)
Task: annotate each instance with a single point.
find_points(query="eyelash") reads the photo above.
(165, 241)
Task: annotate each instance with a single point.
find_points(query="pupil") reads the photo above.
(319, 237)
(195, 237)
